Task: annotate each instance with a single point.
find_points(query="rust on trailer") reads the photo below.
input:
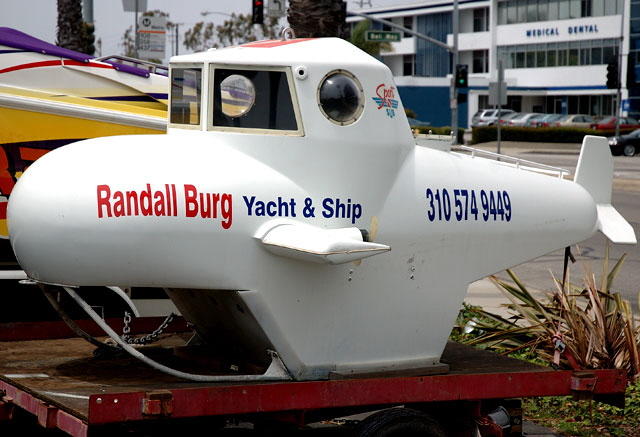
(86, 391)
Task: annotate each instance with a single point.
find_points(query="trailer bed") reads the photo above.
(68, 388)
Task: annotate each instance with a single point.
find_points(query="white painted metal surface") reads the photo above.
(255, 235)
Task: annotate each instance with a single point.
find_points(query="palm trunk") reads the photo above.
(317, 18)
(70, 25)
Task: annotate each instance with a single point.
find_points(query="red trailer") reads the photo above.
(62, 383)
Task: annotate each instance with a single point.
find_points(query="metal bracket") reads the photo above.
(6, 406)
(158, 403)
(583, 385)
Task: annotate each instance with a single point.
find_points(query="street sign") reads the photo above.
(494, 100)
(626, 104)
(382, 36)
(276, 8)
(134, 5)
(152, 32)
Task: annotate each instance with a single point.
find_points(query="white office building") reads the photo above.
(555, 55)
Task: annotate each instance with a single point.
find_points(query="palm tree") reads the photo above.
(70, 25)
(317, 18)
(372, 47)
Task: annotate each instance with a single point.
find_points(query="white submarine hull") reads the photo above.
(196, 229)
(341, 245)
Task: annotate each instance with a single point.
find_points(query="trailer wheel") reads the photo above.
(400, 422)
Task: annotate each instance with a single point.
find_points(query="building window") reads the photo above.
(512, 13)
(552, 54)
(575, 9)
(408, 63)
(523, 11)
(541, 56)
(532, 10)
(590, 52)
(585, 53)
(407, 22)
(574, 51)
(610, 7)
(481, 20)
(543, 10)
(480, 61)
(531, 58)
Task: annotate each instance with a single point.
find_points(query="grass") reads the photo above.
(586, 418)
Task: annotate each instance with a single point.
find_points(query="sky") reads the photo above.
(38, 17)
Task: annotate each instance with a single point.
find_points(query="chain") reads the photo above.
(147, 338)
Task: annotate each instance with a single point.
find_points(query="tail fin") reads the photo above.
(595, 174)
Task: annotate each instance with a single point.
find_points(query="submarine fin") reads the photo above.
(325, 246)
(595, 174)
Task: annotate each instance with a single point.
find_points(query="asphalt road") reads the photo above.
(625, 198)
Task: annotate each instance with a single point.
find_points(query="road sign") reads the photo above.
(152, 32)
(276, 8)
(494, 100)
(626, 104)
(134, 5)
(382, 36)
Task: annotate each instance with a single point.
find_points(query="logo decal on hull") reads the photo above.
(386, 99)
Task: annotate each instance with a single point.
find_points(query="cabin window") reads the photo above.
(237, 95)
(186, 94)
(253, 99)
(340, 97)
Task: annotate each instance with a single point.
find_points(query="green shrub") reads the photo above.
(484, 134)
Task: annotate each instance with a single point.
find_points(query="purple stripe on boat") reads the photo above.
(128, 69)
(14, 38)
(19, 40)
(144, 98)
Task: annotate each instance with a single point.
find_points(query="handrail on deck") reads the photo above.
(531, 165)
(151, 67)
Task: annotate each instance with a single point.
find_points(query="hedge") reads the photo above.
(445, 130)
(484, 134)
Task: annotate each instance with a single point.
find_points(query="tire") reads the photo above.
(629, 150)
(400, 422)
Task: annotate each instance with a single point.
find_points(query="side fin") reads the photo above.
(326, 246)
(595, 174)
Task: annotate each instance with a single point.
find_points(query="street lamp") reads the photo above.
(205, 13)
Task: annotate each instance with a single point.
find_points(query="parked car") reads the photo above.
(575, 120)
(487, 117)
(627, 145)
(609, 123)
(543, 120)
(506, 118)
(523, 118)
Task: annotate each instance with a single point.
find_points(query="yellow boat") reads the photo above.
(51, 96)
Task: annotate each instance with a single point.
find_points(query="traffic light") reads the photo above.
(631, 70)
(257, 10)
(612, 75)
(462, 76)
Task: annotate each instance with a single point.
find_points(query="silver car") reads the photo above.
(487, 117)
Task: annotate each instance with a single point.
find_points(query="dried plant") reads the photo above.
(575, 327)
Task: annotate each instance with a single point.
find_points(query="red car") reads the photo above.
(609, 123)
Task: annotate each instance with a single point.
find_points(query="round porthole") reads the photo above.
(238, 95)
(340, 97)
